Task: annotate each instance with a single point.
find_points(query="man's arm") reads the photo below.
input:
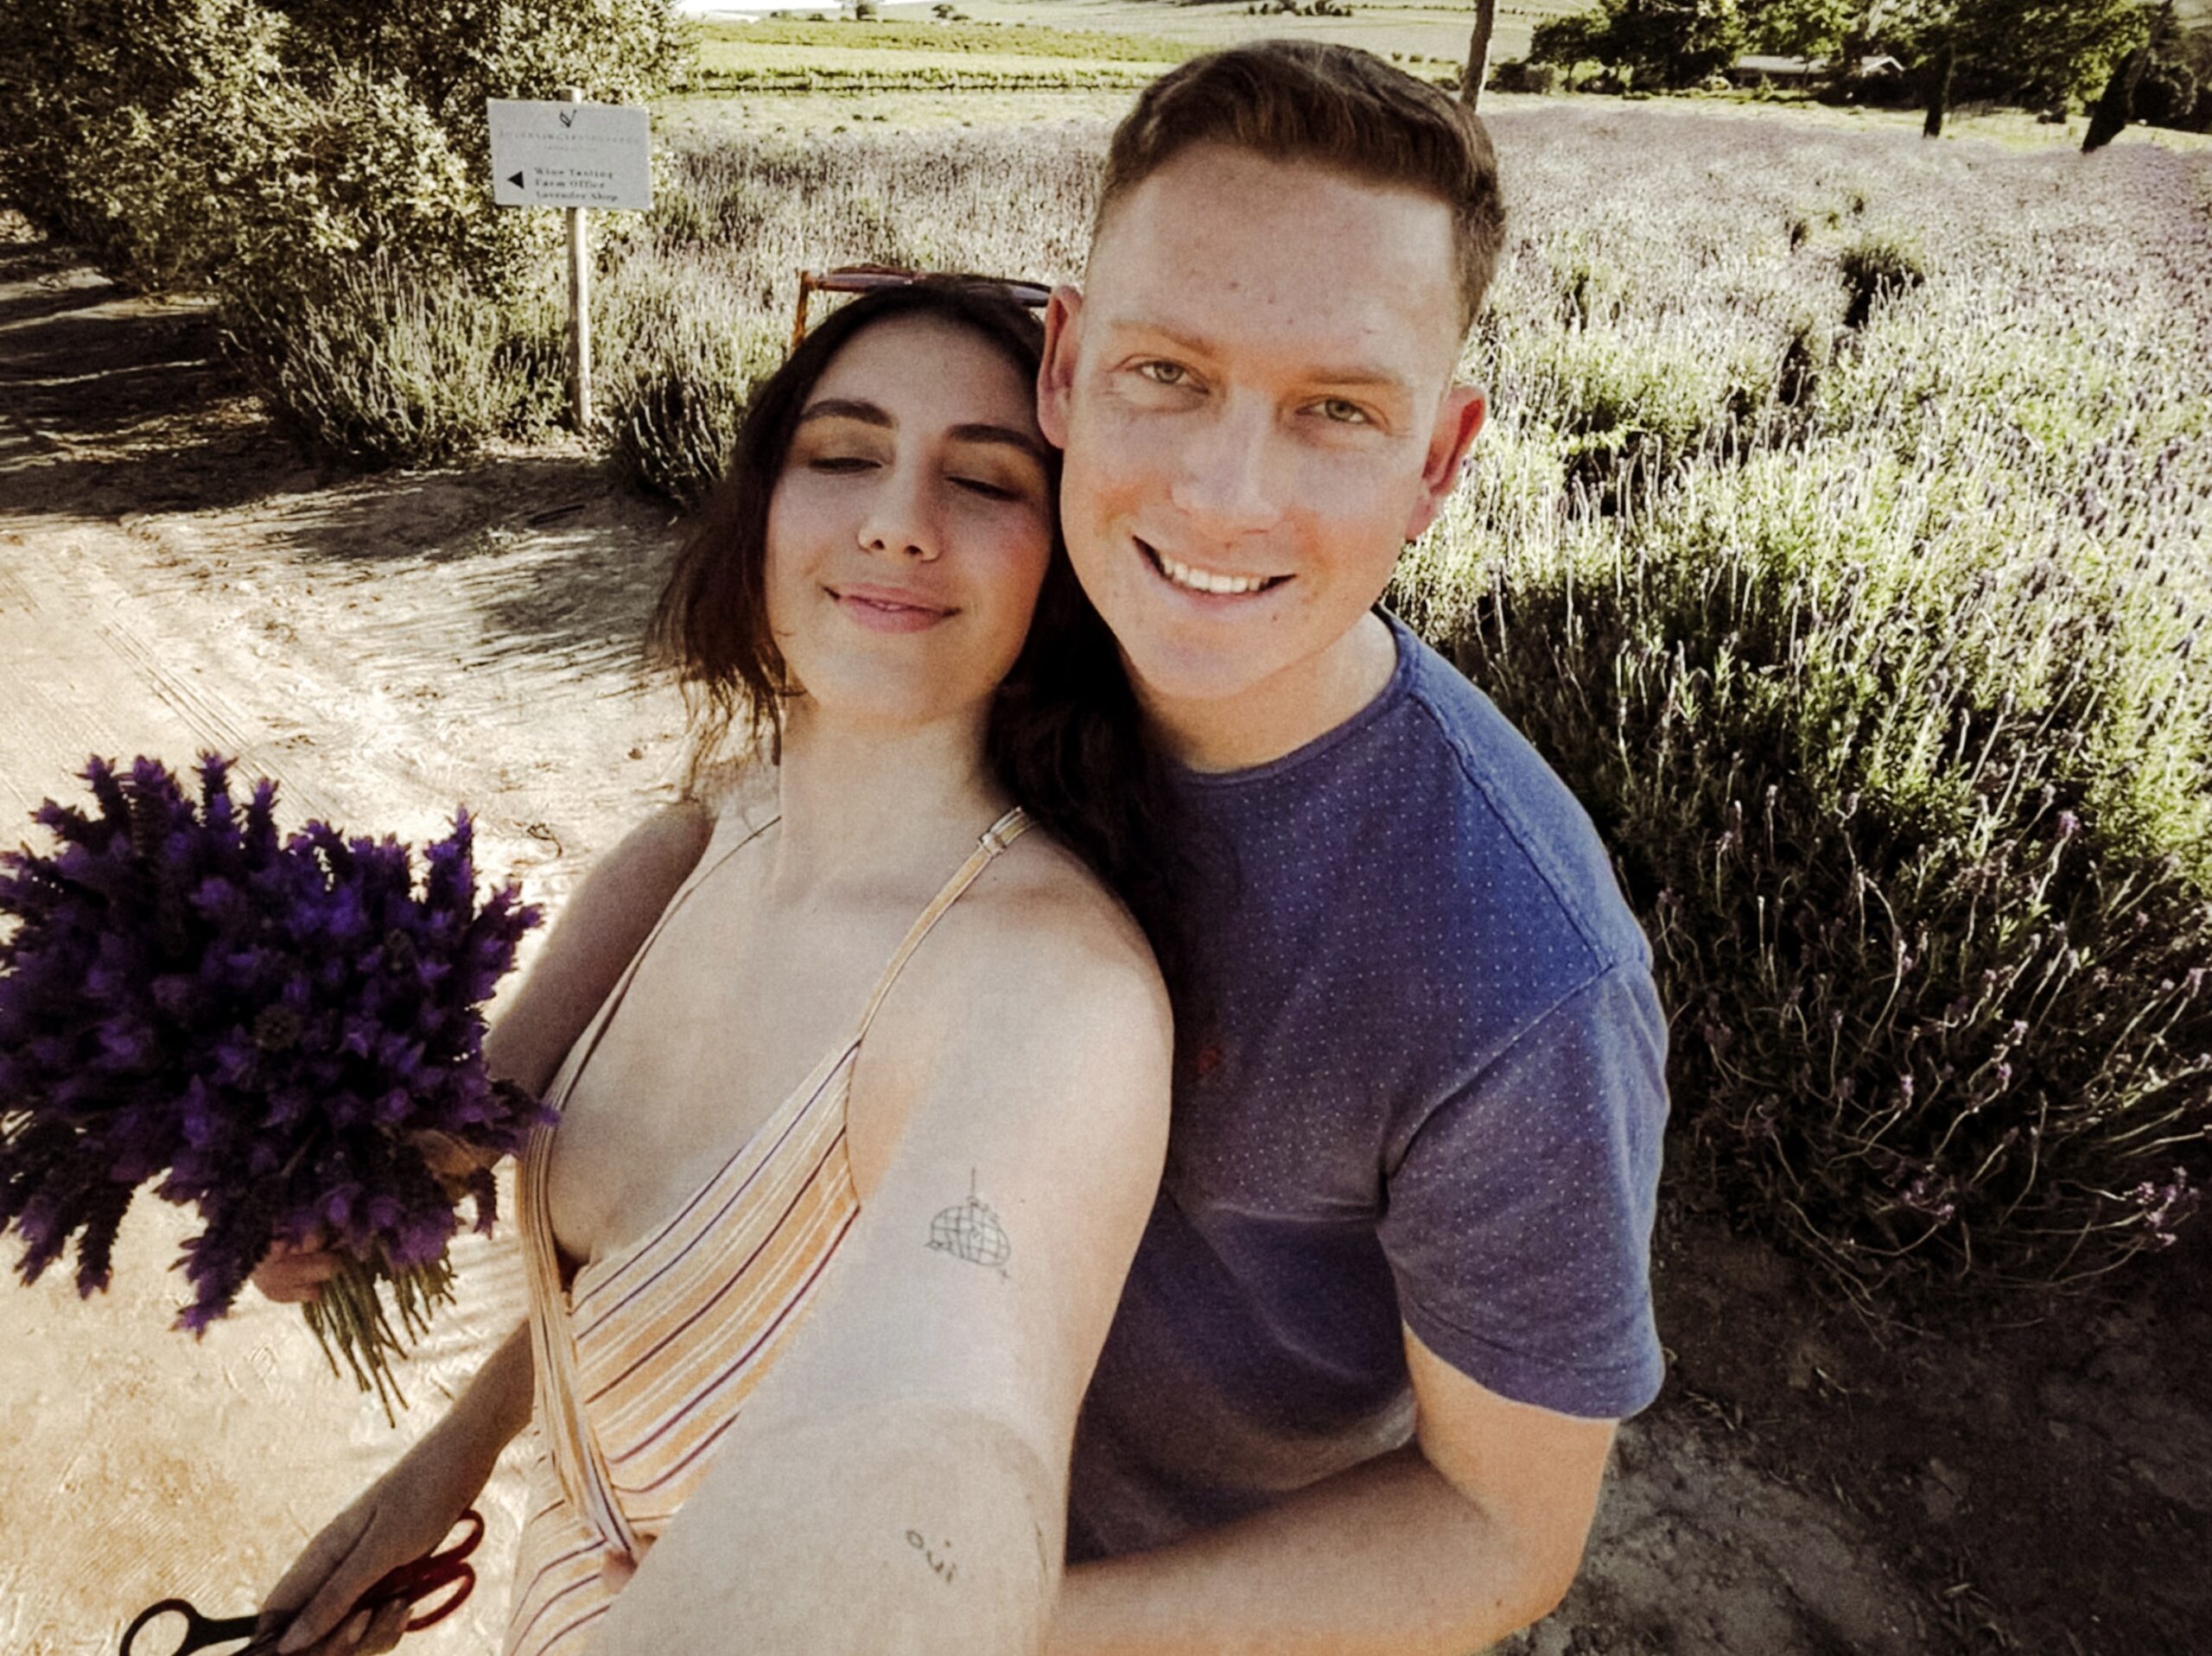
(898, 1483)
(1439, 1550)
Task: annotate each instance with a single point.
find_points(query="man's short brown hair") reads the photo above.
(1332, 106)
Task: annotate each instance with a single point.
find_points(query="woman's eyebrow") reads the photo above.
(974, 431)
(847, 408)
(984, 432)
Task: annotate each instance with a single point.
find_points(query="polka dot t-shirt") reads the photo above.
(1420, 1077)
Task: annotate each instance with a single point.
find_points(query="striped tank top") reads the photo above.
(644, 1359)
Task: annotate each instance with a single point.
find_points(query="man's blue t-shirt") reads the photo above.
(1419, 1076)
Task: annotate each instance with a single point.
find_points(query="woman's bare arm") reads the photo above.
(597, 932)
(898, 1483)
(409, 1511)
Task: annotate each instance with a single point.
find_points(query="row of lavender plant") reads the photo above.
(1877, 653)
(1841, 533)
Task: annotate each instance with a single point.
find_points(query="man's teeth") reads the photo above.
(1205, 580)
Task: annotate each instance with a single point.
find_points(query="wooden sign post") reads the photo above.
(579, 307)
(578, 156)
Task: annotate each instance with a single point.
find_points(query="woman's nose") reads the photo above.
(899, 520)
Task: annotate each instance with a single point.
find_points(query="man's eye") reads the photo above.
(988, 489)
(839, 463)
(1164, 373)
(1344, 412)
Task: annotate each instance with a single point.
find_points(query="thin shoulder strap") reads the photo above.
(578, 1462)
(994, 839)
(557, 1093)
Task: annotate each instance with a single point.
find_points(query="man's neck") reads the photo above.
(1278, 715)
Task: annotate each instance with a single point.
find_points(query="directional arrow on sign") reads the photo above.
(516, 180)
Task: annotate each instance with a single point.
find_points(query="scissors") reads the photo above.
(421, 1579)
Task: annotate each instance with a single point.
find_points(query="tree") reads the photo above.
(1803, 28)
(2117, 105)
(1938, 73)
(1660, 42)
(1471, 83)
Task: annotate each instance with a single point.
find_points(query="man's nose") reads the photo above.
(1224, 481)
(901, 518)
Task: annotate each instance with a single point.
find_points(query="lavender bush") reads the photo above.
(284, 1032)
(1887, 687)
(1841, 534)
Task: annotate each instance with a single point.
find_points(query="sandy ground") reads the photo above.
(172, 578)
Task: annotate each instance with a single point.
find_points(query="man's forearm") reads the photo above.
(1387, 1558)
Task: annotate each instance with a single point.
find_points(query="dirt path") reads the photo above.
(387, 648)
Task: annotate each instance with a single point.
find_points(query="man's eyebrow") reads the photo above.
(1352, 376)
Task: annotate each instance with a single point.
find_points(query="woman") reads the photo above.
(888, 1068)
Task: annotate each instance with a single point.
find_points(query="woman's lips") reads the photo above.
(885, 609)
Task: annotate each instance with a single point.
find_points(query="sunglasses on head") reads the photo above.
(867, 278)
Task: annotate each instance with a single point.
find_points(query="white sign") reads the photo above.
(546, 154)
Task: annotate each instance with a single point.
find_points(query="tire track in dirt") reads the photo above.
(86, 668)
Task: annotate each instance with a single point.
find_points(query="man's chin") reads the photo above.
(1175, 686)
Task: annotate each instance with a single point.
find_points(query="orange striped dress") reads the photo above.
(644, 1362)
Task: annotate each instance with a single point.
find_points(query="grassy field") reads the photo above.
(1438, 31)
(1865, 477)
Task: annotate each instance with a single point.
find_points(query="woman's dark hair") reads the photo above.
(1065, 736)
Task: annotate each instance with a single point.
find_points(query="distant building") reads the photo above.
(1757, 71)
(1775, 72)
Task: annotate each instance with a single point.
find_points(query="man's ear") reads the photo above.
(1056, 373)
(1458, 419)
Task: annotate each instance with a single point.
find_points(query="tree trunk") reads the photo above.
(1471, 87)
(1939, 89)
(2117, 107)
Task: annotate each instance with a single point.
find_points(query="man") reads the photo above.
(1361, 1386)
(1359, 1393)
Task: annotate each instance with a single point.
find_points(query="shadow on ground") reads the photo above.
(96, 382)
(558, 558)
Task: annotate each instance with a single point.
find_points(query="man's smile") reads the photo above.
(1212, 583)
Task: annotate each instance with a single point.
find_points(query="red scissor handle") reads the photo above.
(430, 1574)
(462, 1580)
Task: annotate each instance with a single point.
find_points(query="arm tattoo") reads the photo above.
(970, 1231)
(942, 1566)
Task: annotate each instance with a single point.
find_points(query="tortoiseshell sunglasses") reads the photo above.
(867, 278)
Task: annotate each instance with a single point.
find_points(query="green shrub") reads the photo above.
(131, 130)
(682, 355)
(1877, 269)
(1920, 841)
(187, 141)
(378, 367)
(1518, 75)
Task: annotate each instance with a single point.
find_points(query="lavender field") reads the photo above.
(1843, 533)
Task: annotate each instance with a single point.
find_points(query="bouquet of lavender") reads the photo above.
(286, 1032)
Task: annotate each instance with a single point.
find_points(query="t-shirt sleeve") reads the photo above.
(1518, 1223)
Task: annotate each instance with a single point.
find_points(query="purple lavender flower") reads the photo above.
(266, 1026)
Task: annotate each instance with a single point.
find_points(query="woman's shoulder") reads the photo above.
(1049, 905)
(1041, 931)
(1040, 987)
